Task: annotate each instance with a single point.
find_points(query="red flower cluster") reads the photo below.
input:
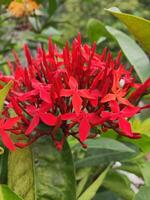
(69, 93)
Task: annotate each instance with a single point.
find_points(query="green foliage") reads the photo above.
(104, 151)
(138, 26)
(3, 93)
(143, 194)
(41, 172)
(120, 184)
(136, 56)
(92, 189)
(7, 194)
(96, 30)
(133, 52)
(3, 164)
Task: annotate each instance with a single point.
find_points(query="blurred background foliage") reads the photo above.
(62, 20)
(78, 12)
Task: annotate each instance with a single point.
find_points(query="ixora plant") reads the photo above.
(59, 94)
(75, 93)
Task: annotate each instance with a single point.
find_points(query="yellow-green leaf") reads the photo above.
(92, 189)
(138, 26)
(7, 194)
(40, 172)
(3, 93)
(133, 52)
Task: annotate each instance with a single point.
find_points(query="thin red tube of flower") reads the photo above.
(73, 90)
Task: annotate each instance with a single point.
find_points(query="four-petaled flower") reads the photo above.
(76, 94)
(74, 91)
(117, 94)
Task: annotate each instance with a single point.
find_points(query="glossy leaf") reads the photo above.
(133, 52)
(145, 169)
(96, 30)
(143, 194)
(119, 184)
(138, 26)
(107, 195)
(92, 189)
(41, 172)
(107, 143)
(3, 93)
(83, 181)
(102, 157)
(7, 194)
(131, 49)
(104, 151)
(142, 127)
(3, 164)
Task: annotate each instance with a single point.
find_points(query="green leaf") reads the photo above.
(138, 26)
(107, 143)
(3, 93)
(143, 194)
(97, 30)
(41, 172)
(108, 195)
(3, 164)
(52, 7)
(119, 184)
(131, 167)
(133, 52)
(7, 194)
(142, 127)
(102, 157)
(84, 173)
(145, 169)
(143, 143)
(103, 151)
(92, 189)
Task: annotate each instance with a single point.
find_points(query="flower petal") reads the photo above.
(124, 101)
(48, 118)
(129, 112)
(45, 96)
(10, 122)
(114, 106)
(34, 122)
(7, 141)
(84, 129)
(108, 97)
(86, 94)
(65, 93)
(76, 102)
(68, 116)
(73, 83)
(125, 127)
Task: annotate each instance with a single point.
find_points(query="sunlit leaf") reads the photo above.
(133, 52)
(119, 184)
(3, 93)
(96, 30)
(138, 26)
(7, 194)
(42, 172)
(92, 189)
(143, 194)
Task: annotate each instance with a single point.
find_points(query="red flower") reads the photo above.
(39, 114)
(74, 90)
(6, 125)
(121, 116)
(76, 94)
(117, 93)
